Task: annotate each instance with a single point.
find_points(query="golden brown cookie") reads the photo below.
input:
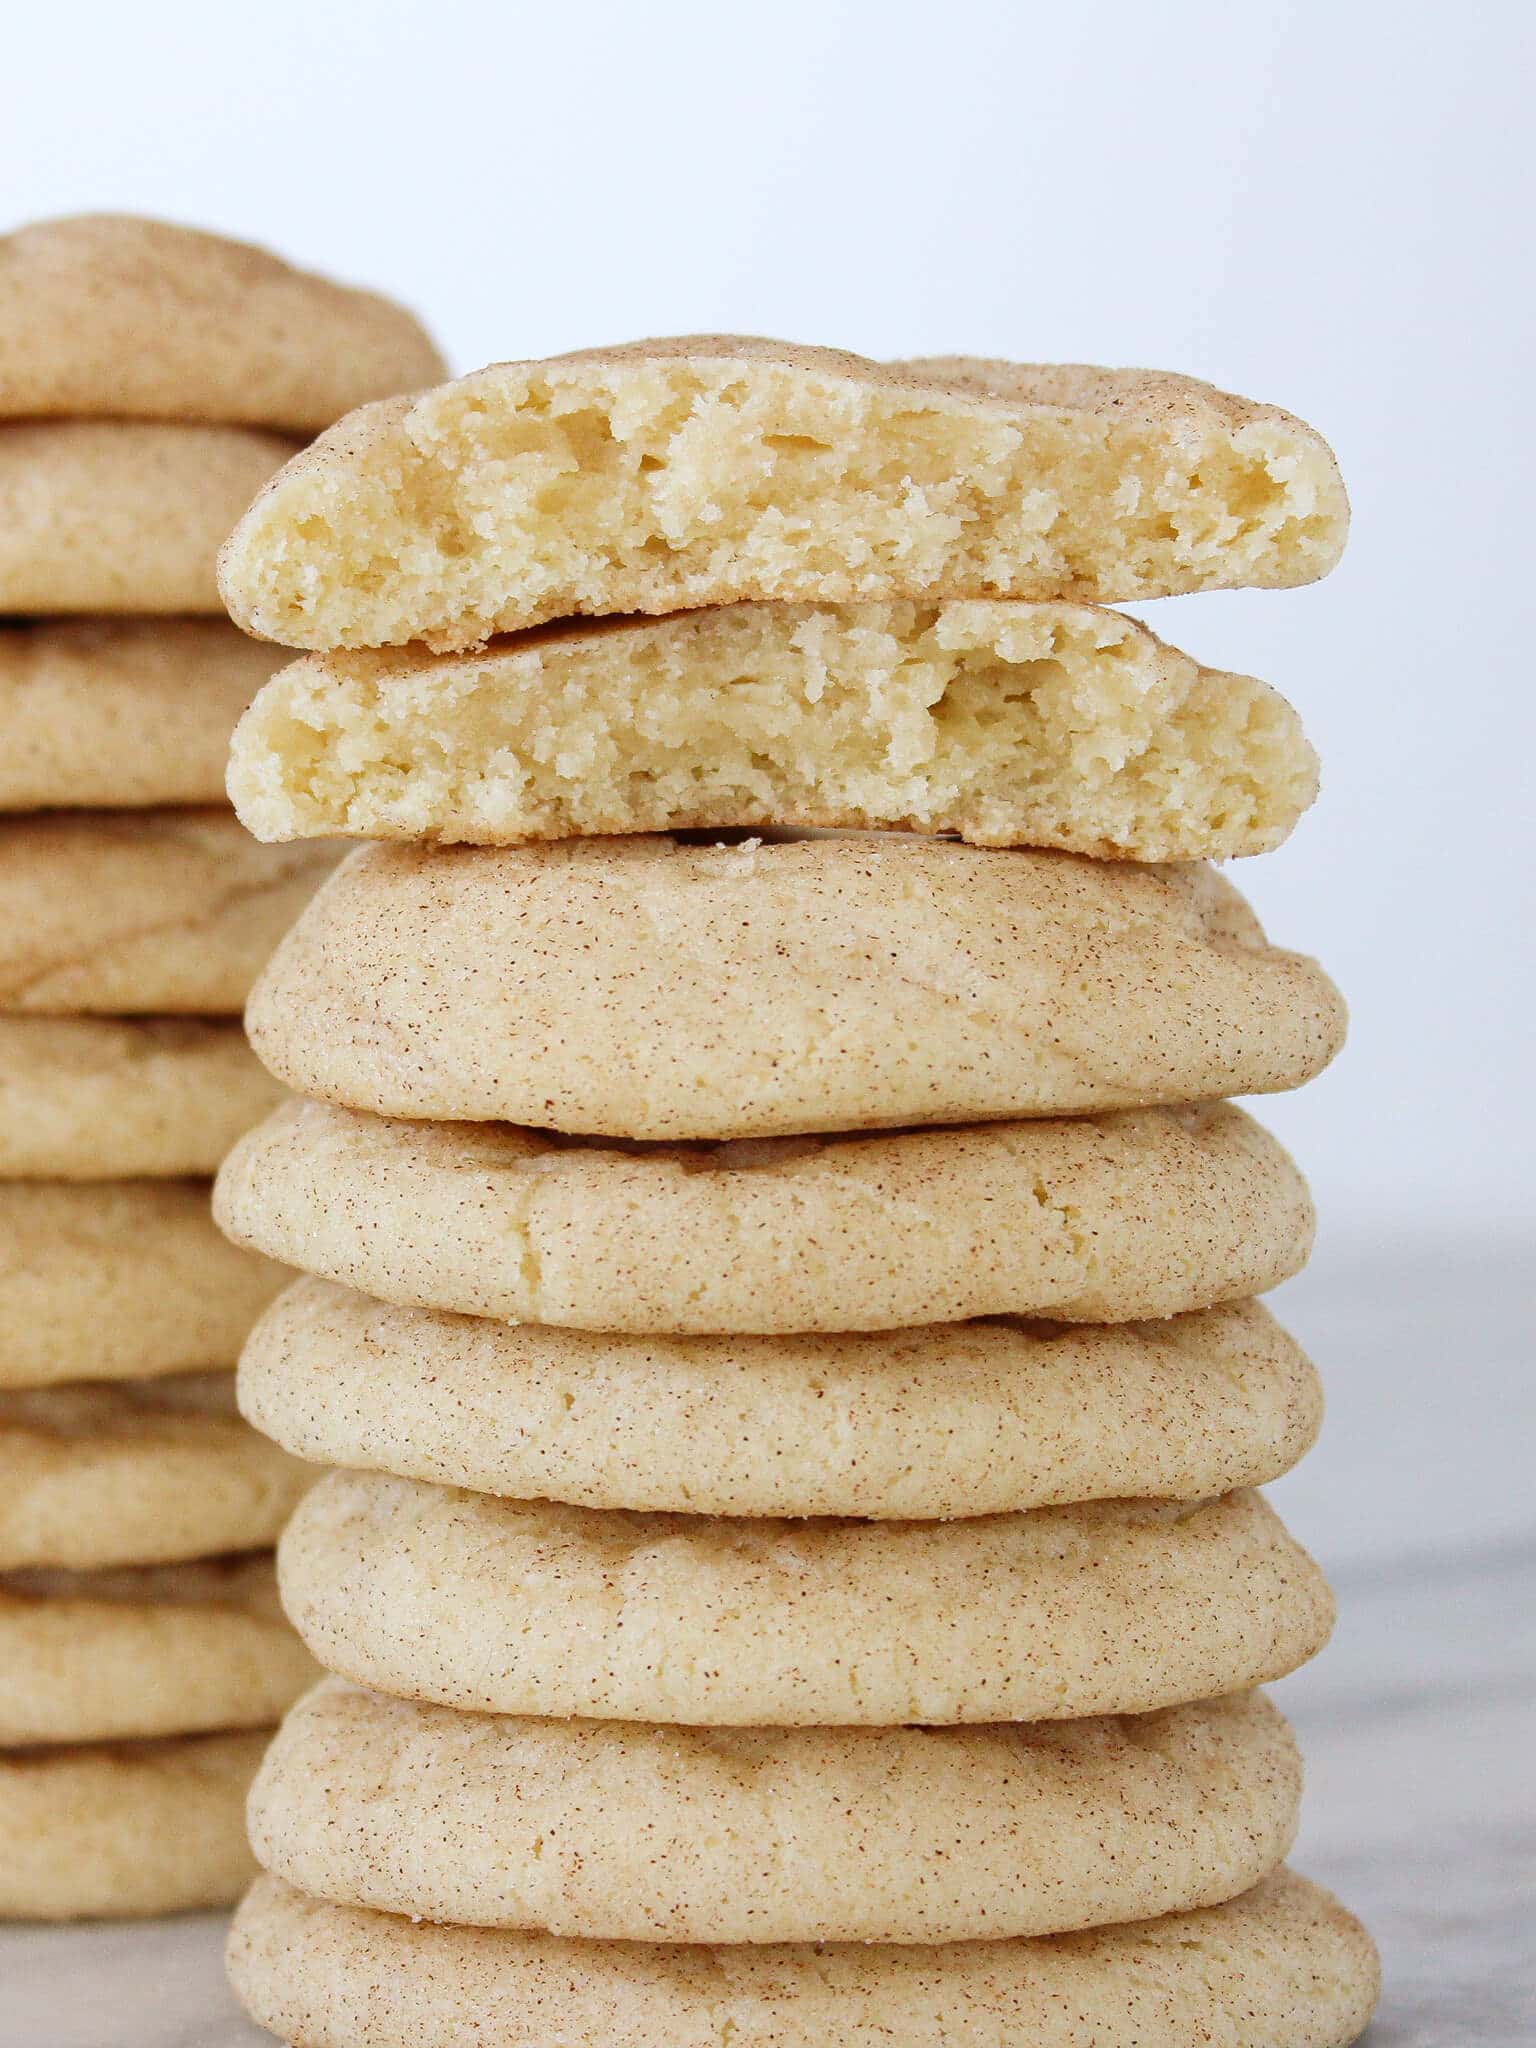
(122, 515)
(111, 313)
(146, 1472)
(1284, 1966)
(113, 1831)
(120, 713)
(955, 1419)
(615, 1831)
(138, 911)
(525, 1607)
(110, 1098)
(1008, 723)
(120, 1280)
(1080, 1219)
(666, 475)
(650, 988)
(145, 1650)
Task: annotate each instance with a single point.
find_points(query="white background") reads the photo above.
(1323, 204)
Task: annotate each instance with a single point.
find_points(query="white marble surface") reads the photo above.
(1418, 1723)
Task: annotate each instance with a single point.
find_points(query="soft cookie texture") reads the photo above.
(1008, 723)
(125, 1830)
(108, 1098)
(1283, 1966)
(665, 475)
(149, 1472)
(147, 1650)
(139, 911)
(1090, 1219)
(118, 1280)
(108, 313)
(120, 515)
(118, 713)
(522, 1607)
(648, 988)
(618, 1831)
(955, 1419)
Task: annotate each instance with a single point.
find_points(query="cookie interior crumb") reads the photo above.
(1056, 725)
(675, 474)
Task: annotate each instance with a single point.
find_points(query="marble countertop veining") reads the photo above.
(1418, 1726)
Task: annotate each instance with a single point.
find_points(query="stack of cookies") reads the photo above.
(150, 379)
(782, 1290)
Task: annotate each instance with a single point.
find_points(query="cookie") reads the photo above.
(526, 1607)
(956, 1419)
(120, 1280)
(648, 988)
(666, 475)
(106, 1098)
(123, 1830)
(1284, 1966)
(620, 1832)
(120, 713)
(135, 911)
(146, 1650)
(149, 1472)
(1090, 1219)
(1007, 723)
(108, 313)
(120, 515)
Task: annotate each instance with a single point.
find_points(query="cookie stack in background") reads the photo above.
(150, 378)
(784, 1308)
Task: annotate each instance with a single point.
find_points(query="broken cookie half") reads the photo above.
(666, 475)
(1002, 722)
